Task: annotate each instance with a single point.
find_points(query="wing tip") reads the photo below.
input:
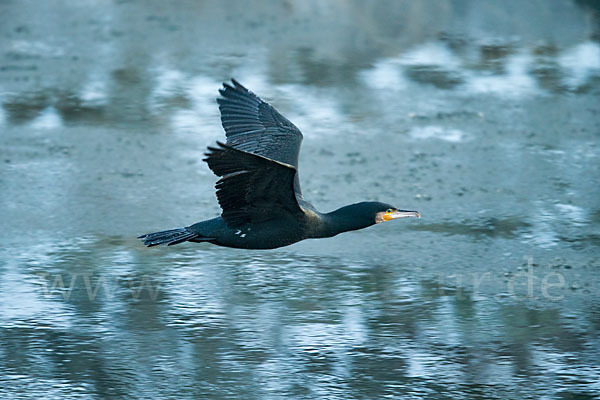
(220, 148)
(236, 85)
(234, 89)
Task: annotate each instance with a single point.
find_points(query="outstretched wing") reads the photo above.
(254, 126)
(252, 188)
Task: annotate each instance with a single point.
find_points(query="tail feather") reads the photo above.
(170, 237)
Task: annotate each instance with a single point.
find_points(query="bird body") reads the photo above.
(259, 189)
(263, 235)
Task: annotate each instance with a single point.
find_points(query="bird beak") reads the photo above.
(401, 214)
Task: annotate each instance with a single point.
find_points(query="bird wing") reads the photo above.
(254, 126)
(252, 188)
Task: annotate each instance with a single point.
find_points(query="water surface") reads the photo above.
(483, 116)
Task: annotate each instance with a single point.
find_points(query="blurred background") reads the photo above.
(482, 115)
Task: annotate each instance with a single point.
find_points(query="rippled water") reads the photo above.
(482, 115)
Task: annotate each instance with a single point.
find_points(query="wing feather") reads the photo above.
(252, 188)
(255, 126)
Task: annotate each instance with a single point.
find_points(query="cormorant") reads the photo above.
(259, 191)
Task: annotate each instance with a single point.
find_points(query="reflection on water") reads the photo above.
(508, 227)
(197, 318)
(498, 70)
(477, 114)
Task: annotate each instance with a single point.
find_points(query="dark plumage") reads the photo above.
(259, 190)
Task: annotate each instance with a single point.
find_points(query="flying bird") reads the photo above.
(259, 190)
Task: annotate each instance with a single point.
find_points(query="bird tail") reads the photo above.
(170, 237)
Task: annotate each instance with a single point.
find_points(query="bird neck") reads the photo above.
(348, 218)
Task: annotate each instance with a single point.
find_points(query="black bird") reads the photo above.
(259, 191)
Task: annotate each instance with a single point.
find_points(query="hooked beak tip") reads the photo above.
(406, 214)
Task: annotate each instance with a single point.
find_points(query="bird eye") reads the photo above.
(389, 211)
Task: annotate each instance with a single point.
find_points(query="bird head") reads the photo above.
(385, 212)
(361, 215)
